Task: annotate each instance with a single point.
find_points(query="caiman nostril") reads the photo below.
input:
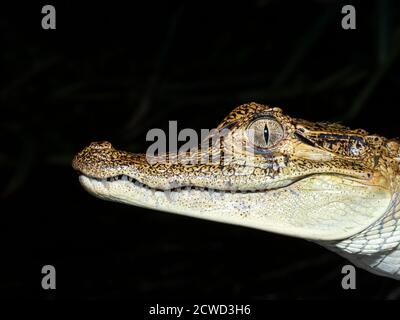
(101, 145)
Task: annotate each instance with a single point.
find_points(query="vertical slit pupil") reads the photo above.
(266, 134)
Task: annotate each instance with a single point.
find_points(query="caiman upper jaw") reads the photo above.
(101, 161)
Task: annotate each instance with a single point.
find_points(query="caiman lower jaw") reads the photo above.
(316, 207)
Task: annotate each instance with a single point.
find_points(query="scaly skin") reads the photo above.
(317, 181)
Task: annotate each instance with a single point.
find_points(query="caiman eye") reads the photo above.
(265, 132)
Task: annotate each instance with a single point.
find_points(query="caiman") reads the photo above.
(319, 181)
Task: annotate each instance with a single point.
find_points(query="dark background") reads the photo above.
(113, 71)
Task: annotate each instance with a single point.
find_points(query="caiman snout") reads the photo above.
(101, 160)
(100, 145)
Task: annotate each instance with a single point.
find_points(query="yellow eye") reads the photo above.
(265, 132)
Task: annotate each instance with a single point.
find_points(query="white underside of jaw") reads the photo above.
(183, 200)
(312, 208)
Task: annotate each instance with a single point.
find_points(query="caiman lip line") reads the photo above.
(124, 177)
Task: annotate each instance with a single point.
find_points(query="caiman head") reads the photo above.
(316, 181)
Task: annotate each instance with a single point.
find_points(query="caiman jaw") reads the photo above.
(310, 184)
